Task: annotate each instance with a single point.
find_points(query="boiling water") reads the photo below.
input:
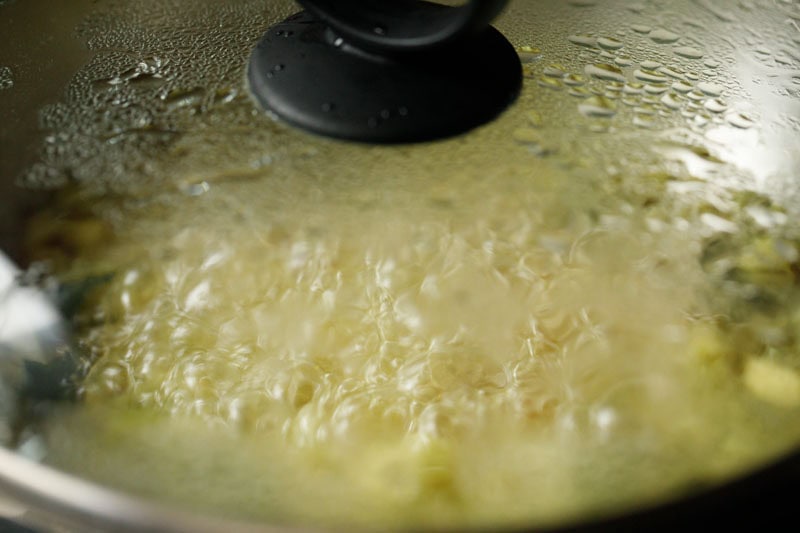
(456, 351)
(587, 306)
(410, 351)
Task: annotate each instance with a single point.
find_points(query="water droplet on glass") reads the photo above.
(672, 101)
(609, 43)
(598, 106)
(605, 71)
(696, 95)
(615, 86)
(768, 218)
(623, 61)
(641, 28)
(655, 89)
(179, 98)
(6, 78)
(711, 89)
(634, 88)
(526, 135)
(580, 92)
(225, 95)
(529, 54)
(649, 76)
(583, 40)
(554, 71)
(719, 224)
(688, 52)
(549, 83)
(700, 120)
(672, 72)
(196, 189)
(534, 118)
(532, 140)
(574, 80)
(715, 105)
(682, 87)
(663, 36)
(740, 120)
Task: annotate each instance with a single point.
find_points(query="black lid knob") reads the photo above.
(403, 25)
(391, 71)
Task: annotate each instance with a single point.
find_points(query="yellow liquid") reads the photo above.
(411, 353)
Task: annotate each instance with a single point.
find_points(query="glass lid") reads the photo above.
(583, 308)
